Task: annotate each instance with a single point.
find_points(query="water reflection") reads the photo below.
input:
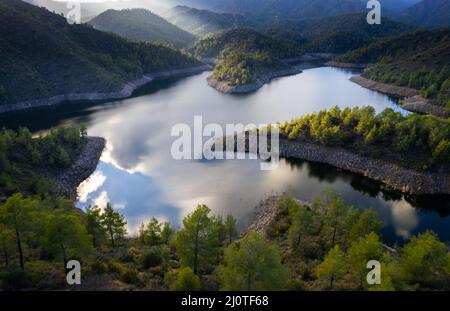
(138, 175)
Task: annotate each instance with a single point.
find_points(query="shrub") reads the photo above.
(13, 278)
(151, 257)
(183, 280)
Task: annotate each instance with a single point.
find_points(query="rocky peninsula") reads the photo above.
(410, 99)
(67, 181)
(228, 88)
(393, 175)
(126, 91)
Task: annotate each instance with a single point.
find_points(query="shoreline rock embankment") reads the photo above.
(388, 89)
(126, 91)
(346, 65)
(410, 99)
(68, 181)
(405, 180)
(399, 178)
(227, 88)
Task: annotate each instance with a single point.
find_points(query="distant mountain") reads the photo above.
(91, 9)
(336, 34)
(395, 5)
(41, 55)
(281, 8)
(429, 13)
(141, 24)
(203, 22)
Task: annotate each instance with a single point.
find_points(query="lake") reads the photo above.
(139, 177)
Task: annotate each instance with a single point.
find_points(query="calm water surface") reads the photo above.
(138, 175)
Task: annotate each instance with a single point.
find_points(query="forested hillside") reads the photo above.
(429, 13)
(244, 40)
(203, 22)
(143, 25)
(245, 54)
(419, 60)
(41, 55)
(336, 34)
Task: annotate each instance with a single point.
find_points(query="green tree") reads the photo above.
(338, 217)
(6, 243)
(17, 214)
(150, 234)
(361, 252)
(198, 242)
(166, 232)
(114, 223)
(184, 280)
(94, 225)
(302, 226)
(230, 228)
(332, 268)
(368, 221)
(66, 236)
(252, 263)
(423, 261)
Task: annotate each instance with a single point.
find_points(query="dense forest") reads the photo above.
(430, 13)
(325, 245)
(143, 25)
(82, 59)
(245, 54)
(414, 140)
(336, 34)
(29, 165)
(419, 60)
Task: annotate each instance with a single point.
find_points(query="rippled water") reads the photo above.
(138, 175)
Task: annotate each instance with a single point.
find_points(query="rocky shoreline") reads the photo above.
(265, 213)
(67, 182)
(126, 91)
(421, 105)
(388, 89)
(225, 87)
(399, 178)
(405, 180)
(346, 65)
(410, 99)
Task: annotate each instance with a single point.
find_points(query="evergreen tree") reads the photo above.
(94, 225)
(198, 242)
(114, 223)
(332, 267)
(252, 264)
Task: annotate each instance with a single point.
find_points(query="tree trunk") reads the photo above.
(298, 241)
(111, 233)
(94, 244)
(6, 255)
(19, 247)
(334, 233)
(331, 282)
(63, 249)
(196, 252)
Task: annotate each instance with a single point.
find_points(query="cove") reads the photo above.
(139, 177)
